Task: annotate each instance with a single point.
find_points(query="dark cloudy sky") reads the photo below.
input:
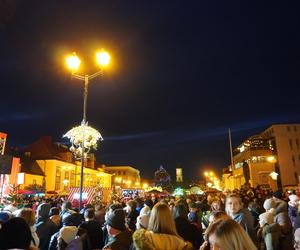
(182, 73)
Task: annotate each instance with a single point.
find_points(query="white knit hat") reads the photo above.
(143, 220)
(293, 198)
(269, 203)
(68, 233)
(266, 218)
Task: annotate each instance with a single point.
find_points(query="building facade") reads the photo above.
(286, 143)
(124, 176)
(271, 159)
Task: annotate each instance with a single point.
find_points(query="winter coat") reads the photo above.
(292, 211)
(269, 235)
(283, 220)
(245, 219)
(122, 241)
(44, 230)
(188, 232)
(147, 240)
(94, 233)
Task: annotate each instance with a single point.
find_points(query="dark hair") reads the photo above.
(115, 206)
(15, 233)
(67, 204)
(54, 211)
(180, 211)
(89, 213)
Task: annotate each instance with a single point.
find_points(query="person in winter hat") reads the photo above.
(142, 221)
(121, 237)
(293, 208)
(68, 233)
(15, 234)
(297, 239)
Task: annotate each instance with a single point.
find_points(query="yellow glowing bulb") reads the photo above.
(205, 173)
(73, 62)
(103, 58)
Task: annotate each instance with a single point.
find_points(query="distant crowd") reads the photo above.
(244, 219)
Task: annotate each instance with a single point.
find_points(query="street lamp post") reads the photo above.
(83, 137)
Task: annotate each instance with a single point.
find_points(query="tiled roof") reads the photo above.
(30, 166)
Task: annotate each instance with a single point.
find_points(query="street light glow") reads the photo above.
(73, 62)
(103, 58)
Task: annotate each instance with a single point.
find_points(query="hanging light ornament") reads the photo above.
(86, 134)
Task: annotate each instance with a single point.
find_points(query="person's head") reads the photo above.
(297, 239)
(15, 233)
(74, 219)
(142, 221)
(131, 206)
(161, 220)
(28, 215)
(266, 218)
(293, 200)
(115, 222)
(218, 215)
(193, 207)
(228, 235)
(89, 214)
(269, 204)
(54, 211)
(233, 204)
(66, 205)
(149, 203)
(42, 211)
(215, 205)
(277, 195)
(180, 211)
(66, 235)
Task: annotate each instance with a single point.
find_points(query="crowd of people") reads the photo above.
(245, 219)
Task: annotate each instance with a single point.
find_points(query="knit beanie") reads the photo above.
(297, 233)
(277, 194)
(293, 198)
(116, 219)
(269, 203)
(68, 233)
(74, 219)
(143, 220)
(266, 218)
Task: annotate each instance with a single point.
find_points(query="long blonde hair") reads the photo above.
(161, 220)
(230, 235)
(28, 215)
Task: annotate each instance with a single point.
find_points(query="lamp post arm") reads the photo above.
(100, 72)
(79, 77)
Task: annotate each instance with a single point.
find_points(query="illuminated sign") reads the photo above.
(21, 178)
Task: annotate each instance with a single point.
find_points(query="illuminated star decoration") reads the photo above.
(85, 133)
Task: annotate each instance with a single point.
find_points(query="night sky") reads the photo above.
(182, 73)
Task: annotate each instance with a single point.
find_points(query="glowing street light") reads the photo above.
(84, 137)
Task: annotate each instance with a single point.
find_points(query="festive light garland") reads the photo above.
(85, 133)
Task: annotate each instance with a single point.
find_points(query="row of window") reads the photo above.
(291, 128)
(296, 143)
(294, 159)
